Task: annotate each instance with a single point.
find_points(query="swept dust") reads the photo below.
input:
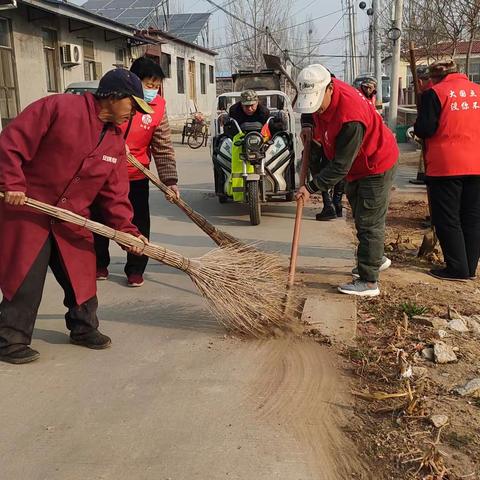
(299, 388)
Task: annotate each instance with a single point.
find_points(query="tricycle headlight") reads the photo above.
(254, 141)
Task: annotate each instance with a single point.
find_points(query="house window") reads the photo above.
(180, 75)
(203, 78)
(192, 81)
(474, 72)
(8, 87)
(211, 74)
(166, 63)
(50, 55)
(120, 57)
(92, 69)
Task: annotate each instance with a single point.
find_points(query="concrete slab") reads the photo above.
(334, 316)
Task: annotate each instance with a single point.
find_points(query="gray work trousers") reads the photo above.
(369, 198)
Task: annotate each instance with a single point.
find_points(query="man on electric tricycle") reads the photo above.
(253, 150)
(248, 109)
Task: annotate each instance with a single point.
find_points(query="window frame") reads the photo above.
(50, 53)
(181, 80)
(203, 79)
(12, 109)
(166, 65)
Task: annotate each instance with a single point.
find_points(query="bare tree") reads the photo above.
(471, 12)
(256, 27)
(452, 20)
(425, 29)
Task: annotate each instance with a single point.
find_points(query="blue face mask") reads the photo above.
(149, 94)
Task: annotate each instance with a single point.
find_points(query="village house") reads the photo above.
(46, 45)
(426, 57)
(190, 84)
(181, 48)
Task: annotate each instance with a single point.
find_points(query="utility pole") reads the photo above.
(354, 38)
(267, 41)
(395, 34)
(353, 42)
(310, 31)
(377, 51)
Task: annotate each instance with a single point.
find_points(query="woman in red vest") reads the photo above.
(448, 121)
(361, 148)
(148, 136)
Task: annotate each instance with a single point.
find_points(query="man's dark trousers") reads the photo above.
(455, 203)
(369, 198)
(18, 315)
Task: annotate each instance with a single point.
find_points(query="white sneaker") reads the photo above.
(386, 262)
(360, 288)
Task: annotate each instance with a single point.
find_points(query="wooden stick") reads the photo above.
(298, 217)
(151, 250)
(430, 239)
(218, 236)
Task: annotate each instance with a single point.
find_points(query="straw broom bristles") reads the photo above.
(218, 236)
(243, 288)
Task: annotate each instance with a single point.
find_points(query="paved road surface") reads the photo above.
(174, 398)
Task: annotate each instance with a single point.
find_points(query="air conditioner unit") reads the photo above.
(8, 4)
(71, 54)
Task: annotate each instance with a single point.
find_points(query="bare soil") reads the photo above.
(397, 434)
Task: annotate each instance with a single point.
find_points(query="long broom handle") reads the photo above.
(416, 89)
(298, 217)
(198, 219)
(151, 250)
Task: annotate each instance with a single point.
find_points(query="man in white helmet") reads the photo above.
(359, 147)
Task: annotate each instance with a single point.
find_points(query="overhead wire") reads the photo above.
(230, 44)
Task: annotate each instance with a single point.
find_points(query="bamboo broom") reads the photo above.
(218, 236)
(243, 288)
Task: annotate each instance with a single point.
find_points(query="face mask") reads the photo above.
(149, 94)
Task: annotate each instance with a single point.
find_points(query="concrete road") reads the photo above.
(174, 398)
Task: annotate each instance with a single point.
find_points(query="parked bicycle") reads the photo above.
(196, 131)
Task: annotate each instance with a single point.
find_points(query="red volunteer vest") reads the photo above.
(379, 151)
(140, 135)
(372, 100)
(454, 149)
(424, 86)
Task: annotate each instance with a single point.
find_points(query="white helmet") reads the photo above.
(312, 83)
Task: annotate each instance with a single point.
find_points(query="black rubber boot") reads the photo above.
(337, 203)
(24, 355)
(328, 213)
(93, 339)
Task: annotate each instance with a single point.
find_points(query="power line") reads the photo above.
(313, 47)
(331, 40)
(232, 15)
(231, 44)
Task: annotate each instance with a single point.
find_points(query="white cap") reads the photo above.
(312, 83)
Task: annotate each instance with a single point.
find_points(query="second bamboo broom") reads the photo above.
(244, 289)
(218, 236)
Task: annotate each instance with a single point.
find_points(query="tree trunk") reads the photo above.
(469, 52)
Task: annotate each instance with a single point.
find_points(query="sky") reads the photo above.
(325, 29)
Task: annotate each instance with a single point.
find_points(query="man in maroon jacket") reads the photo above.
(65, 150)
